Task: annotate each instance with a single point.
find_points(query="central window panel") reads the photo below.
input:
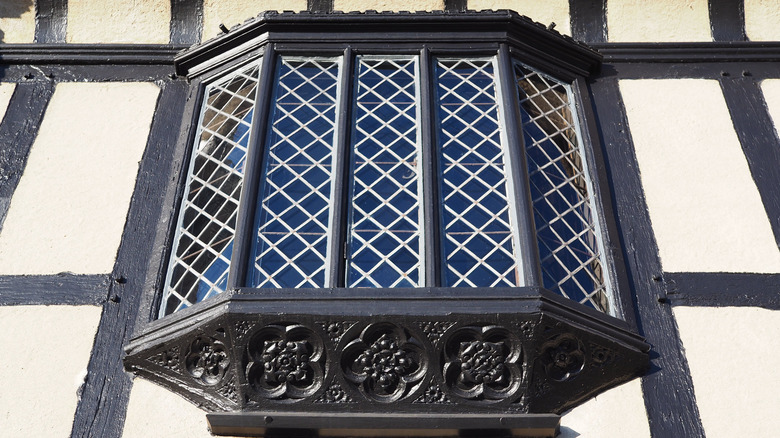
(389, 171)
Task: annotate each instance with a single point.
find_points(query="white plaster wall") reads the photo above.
(69, 209)
(658, 20)
(771, 89)
(232, 12)
(732, 356)
(153, 411)
(47, 351)
(17, 21)
(762, 20)
(705, 208)
(617, 413)
(6, 91)
(119, 21)
(389, 5)
(545, 12)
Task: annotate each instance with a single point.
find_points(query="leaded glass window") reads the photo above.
(364, 181)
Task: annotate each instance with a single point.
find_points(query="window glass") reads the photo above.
(473, 213)
(479, 248)
(566, 226)
(207, 220)
(385, 227)
(293, 209)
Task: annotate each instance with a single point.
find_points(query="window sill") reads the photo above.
(440, 351)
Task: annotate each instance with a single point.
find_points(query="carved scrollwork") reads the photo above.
(435, 329)
(207, 360)
(482, 363)
(167, 359)
(336, 329)
(334, 394)
(563, 357)
(385, 362)
(286, 362)
(433, 395)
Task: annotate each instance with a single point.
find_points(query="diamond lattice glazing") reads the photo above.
(204, 241)
(565, 227)
(384, 236)
(478, 238)
(295, 196)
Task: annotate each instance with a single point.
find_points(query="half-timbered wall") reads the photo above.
(685, 105)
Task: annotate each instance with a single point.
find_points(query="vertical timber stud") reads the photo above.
(340, 190)
(755, 130)
(186, 21)
(245, 221)
(667, 387)
(517, 174)
(319, 5)
(455, 5)
(727, 20)
(51, 21)
(101, 409)
(430, 172)
(588, 20)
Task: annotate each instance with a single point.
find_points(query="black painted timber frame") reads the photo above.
(671, 406)
(560, 353)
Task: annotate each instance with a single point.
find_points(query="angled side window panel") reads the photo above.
(204, 238)
(566, 228)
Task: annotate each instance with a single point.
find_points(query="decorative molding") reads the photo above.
(528, 350)
(336, 329)
(334, 394)
(207, 360)
(285, 362)
(434, 329)
(385, 362)
(481, 363)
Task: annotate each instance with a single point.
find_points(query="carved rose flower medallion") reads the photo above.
(481, 363)
(563, 357)
(207, 360)
(384, 362)
(285, 362)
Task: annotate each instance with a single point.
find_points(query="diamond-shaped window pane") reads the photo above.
(385, 227)
(479, 244)
(204, 243)
(294, 200)
(566, 229)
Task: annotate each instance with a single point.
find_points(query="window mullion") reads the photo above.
(430, 190)
(252, 172)
(340, 193)
(518, 171)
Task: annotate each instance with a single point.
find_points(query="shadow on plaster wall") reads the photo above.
(13, 9)
(568, 433)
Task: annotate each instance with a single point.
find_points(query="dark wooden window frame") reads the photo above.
(564, 353)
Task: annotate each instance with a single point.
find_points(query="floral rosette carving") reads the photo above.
(563, 357)
(207, 360)
(286, 362)
(384, 362)
(481, 363)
